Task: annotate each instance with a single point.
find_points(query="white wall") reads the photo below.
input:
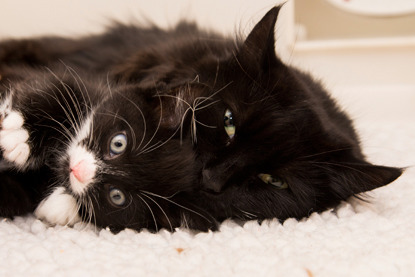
(35, 17)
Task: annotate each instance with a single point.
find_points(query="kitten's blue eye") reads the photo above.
(118, 144)
(229, 125)
(116, 197)
(274, 181)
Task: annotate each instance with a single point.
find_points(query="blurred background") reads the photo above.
(362, 50)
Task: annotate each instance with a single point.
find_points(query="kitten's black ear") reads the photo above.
(170, 111)
(362, 177)
(258, 50)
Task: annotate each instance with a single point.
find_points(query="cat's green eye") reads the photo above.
(118, 144)
(274, 181)
(116, 197)
(229, 124)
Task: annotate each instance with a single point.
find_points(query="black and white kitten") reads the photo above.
(93, 144)
(148, 128)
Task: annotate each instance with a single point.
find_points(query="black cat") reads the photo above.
(147, 128)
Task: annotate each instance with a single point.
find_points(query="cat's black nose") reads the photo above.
(210, 180)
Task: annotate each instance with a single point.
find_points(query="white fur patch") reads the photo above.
(59, 208)
(13, 139)
(79, 155)
(85, 130)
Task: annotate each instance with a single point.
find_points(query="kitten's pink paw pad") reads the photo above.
(13, 139)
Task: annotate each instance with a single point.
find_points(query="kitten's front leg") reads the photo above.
(59, 207)
(39, 114)
(13, 136)
(14, 139)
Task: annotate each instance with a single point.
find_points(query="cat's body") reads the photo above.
(146, 128)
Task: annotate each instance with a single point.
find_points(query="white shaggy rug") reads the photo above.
(356, 239)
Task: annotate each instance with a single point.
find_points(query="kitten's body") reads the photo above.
(216, 128)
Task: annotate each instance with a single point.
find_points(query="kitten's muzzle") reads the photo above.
(82, 172)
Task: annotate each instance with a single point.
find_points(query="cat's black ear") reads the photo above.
(258, 50)
(356, 178)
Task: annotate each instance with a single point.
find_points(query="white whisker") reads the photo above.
(151, 211)
(161, 209)
(174, 203)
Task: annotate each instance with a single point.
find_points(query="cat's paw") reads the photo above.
(59, 208)
(14, 139)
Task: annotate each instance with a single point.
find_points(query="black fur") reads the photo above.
(184, 80)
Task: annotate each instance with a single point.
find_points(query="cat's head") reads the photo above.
(271, 142)
(206, 131)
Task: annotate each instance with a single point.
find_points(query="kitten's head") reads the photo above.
(123, 161)
(271, 142)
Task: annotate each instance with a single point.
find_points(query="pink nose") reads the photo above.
(80, 171)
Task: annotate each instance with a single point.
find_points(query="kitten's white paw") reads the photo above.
(59, 208)
(13, 139)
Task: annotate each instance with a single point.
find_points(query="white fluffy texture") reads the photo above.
(13, 139)
(58, 208)
(357, 239)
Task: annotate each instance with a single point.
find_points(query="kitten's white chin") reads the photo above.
(59, 208)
